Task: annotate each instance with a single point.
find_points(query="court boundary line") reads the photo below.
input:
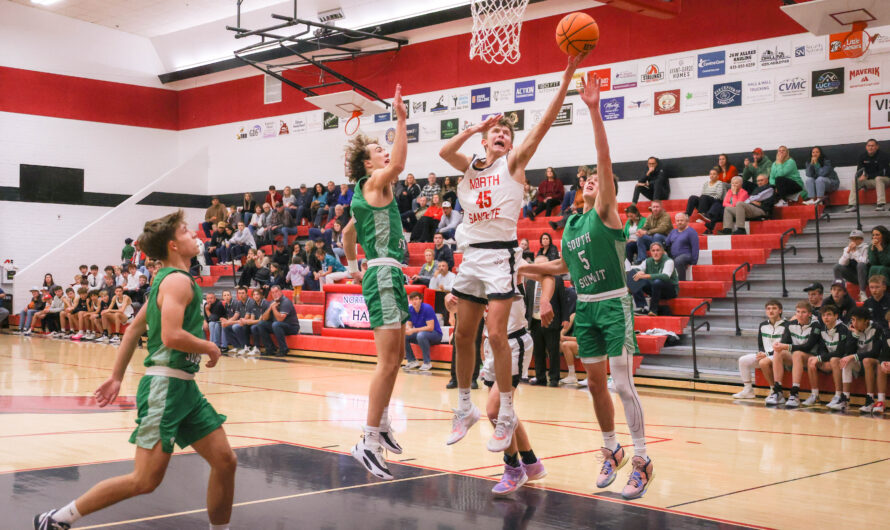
(781, 482)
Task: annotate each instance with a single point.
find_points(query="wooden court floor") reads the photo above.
(714, 459)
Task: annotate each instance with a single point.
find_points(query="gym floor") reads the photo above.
(717, 463)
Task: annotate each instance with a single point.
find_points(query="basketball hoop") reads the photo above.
(857, 42)
(348, 105)
(357, 116)
(496, 28)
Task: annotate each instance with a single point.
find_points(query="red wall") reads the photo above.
(424, 67)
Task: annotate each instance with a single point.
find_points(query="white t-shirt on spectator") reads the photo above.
(443, 282)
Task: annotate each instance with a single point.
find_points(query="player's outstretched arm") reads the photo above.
(521, 155)
(550, 268)
(390, 174)
(108, 391)
(606, 203)
(350, 238)
(174, 295)
(449, 151)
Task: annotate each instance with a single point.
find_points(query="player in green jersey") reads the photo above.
(593, 254)
(170, 406)
(377, 226)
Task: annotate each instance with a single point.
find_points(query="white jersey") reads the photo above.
(491, 199)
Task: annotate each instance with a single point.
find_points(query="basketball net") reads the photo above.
(857, 42)
(496, 28)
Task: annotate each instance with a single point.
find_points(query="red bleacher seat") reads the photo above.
(672, 323)
(704, 289)
(721, 273)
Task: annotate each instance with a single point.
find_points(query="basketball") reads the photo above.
(577, 33)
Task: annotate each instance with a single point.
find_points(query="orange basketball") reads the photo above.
(576, 33)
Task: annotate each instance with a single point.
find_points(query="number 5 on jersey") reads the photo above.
(584, 260)
(484, 199)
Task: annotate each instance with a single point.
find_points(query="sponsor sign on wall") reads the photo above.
(667, 102)
(547, 87)
(624, 76)
(652, 73)
(728, 95)
(564, 117)
(838, 47)
(759, 91)
(460, 101)
(879, 111)
(449, 128)
(775, 55)
(712, 64)
(501, 95)
(382, 117)
(516, 117)
(681, 68)
(439, 104)
(330, 121)
(809, 49)
(863, 76)
(480, 98)
(828, 82)
(612, 108)
(741, 59)
(524, 91)
(637, 106)
(413, 133)
(696, 99)
(792, 87)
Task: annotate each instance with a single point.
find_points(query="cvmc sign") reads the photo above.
(879, 111)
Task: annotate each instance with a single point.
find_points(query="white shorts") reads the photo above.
(488, 274)
(520, 347)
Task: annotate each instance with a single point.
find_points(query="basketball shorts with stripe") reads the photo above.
(605, 329)
(520, 346)
(172, 410)
(383, 287)
(488, 274)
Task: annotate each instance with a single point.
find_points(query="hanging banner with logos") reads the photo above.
(775, 55)
(667, 102)
(712, 64)
(696, 99)
(564, 117)
(449, 128)
(637, 106)
(861, 76)
(624, 76)
(759, 91)
(741, 59)
(828, 82)
(792, 87)
(612, 108)
(728, 95)
(809, 49)
(652, 73)
(681, 69)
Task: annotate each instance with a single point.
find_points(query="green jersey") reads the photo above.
(379, 229)
(192, 322)
(594, 254)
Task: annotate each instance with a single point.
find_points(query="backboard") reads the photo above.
(824, 17)
(348, 104)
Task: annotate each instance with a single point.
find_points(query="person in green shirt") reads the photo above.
(634, 223)
(170, 406)
(758, 164)
(592, 253)
(879, 252)
(656, 277)
(785, 176)
(128, 251)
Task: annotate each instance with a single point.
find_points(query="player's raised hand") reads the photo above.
(214, 355)
(489, 122)
(399, 105)
(590, 91)
(574, 61)
(107, 391)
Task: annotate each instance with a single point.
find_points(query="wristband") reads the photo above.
(351, 265)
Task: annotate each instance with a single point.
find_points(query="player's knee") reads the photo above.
(146, 483)
(227, 462)
(870, 363)
(812, 362)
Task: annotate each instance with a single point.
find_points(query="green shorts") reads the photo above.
(605, 328)
(172, 410)
(383, 287)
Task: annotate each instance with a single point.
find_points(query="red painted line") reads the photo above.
(696, 443)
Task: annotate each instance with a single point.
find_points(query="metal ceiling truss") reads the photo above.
(330, 39)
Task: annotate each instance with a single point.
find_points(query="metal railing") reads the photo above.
(783, 251)
(856, 191)
(695, 328)
(819, 216)
(735, 293)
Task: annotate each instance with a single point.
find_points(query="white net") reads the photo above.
(496, 28)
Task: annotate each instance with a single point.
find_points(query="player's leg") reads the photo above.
(215, 449)
(569, 349)
(882, 390)
(766, 367)
(747, 365)
(498, 315)
(798, 361)
(466, 414)
(814, 365)
(148, 472)
(870, 367)
(779, 361)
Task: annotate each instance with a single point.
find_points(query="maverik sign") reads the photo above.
(863, 76)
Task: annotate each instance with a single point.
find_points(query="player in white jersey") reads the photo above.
(491, 196)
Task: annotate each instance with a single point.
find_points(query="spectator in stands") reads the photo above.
(280, 320)
(264, 234)
(281, 255)
(248, 207)
(406, 192)
(4, 313)
(799, 342)
(655, 230)
(735, 195)
(545, 337)
(331, 268)
(443, 279)
(132, 280)
(215, 214)
(820, 178)
(319, 199)
(216, 247)
(256, 222)
(128, 251)
(682, 245)
(443, 251)
(841, 300)
(852, 266)
(214, 310)
(869, 346)
(240, 242)
(277, 275)
(758, 205)
(336, 236)
(248, 268)
(879, 252)
(427, 270)
(422, 329)
(431, 188)
(449, 221)
(785, 177)
(273, 197)
(332, 195)
(254, 310)
(262, 274)
(527, 254)
(878, 304)
(303, 205)
(529, 200)
(632, 226)
(67, 323)
(409, 218)
(654, 185)
(296, 276)
(573, 202)
(449, 192)
(428, 223)
(93, 279)
(50, 312)
(235, 310)
(547, 248)
(727, 171)
(49, 282)
(345, 197)
(872, 172)
(657, 277)
(141, 294)
(233, 217)
(710, 203)
(327, 231)
(299, 251)
(288, 199)
(758, 164)
(550, 194)
(281, 222)
(768, 333)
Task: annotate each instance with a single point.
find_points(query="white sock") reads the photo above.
(384, 419)
(506, 409)
(372, 435)
(749, 386)
(464, 402)
(68, 514)
(837, 393)
(610, 441)
(219, 526)
(795, 385)
(870, 395)
(881, 396)
(847, 395)
(815, 392)
(571, 371)
(640, 447)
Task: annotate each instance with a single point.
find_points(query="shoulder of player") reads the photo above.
(176, 284)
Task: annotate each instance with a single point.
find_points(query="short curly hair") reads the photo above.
(356, 154)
